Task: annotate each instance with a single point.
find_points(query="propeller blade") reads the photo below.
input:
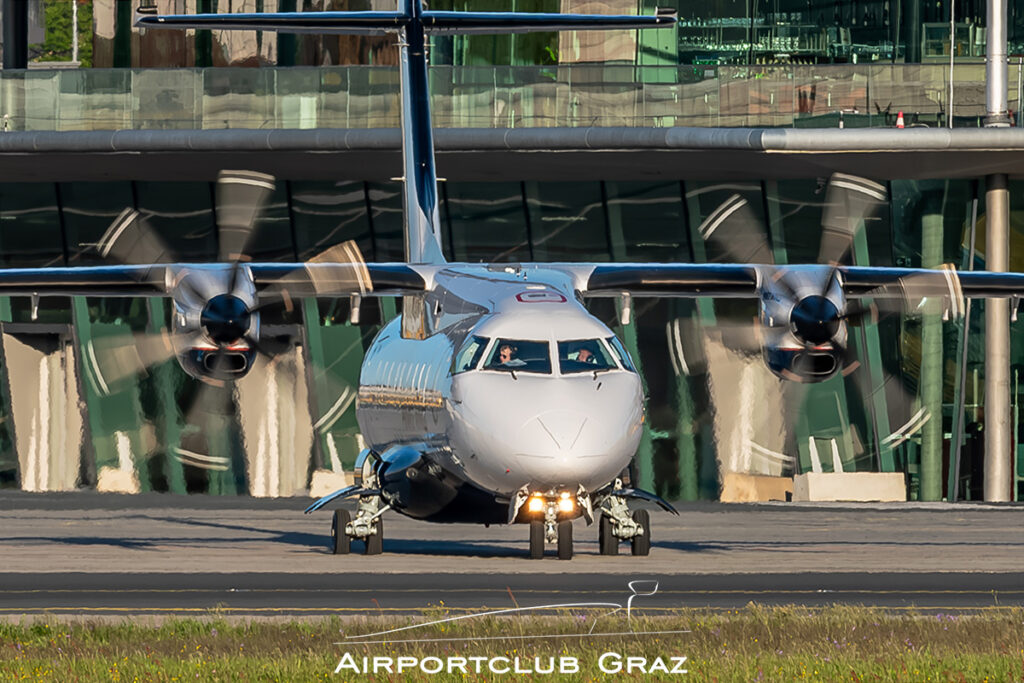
(116, 360)
(130, 239)
(337, 270)
(908, 294)
(240, 199)
(849, 200)
(736, 233)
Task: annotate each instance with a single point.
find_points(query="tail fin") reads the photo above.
(412, 24)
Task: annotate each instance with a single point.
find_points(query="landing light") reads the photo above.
(536, 504)
(565, 503)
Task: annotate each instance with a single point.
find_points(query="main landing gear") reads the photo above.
(617, 525)
(368, 525)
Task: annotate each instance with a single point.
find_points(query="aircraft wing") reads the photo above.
(738, 280)
(299, 279)
(106, 281)
(337, 279)
(671, 279)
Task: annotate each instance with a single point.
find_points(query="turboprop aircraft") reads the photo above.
(495, 397)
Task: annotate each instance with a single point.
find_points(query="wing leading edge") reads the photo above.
(738, 280)
(300, 279)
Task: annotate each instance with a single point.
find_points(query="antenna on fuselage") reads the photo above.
(412, 24)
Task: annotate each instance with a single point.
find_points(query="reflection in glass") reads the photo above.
(182, 214)
(567, 221)
(488, 221)
(88, 210)
(30, 232)
(326, 213)
(469, 356)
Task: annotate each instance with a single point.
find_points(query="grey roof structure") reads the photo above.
(515, 154)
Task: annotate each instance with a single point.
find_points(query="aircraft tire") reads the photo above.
(375, 543)
(536, 539)
(565, 540)
(642, 543)
(606, 540)
(341, 544)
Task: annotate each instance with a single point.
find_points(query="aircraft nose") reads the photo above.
(563, 426)
(569, 447)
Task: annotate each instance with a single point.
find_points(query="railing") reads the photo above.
(495, 97)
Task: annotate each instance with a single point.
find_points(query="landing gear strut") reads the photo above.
(617, 524)
(368, 525)
(551, 516)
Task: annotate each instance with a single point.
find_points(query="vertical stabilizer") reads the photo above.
(422, 222)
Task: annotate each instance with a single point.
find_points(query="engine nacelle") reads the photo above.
(806, 365)
(802, 322)
(412, 483)
(213, 318)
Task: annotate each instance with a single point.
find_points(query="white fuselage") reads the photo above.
(547, 420)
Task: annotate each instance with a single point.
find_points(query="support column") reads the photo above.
(998, 443)
(997, 252)
(931, 356)
(15, 28)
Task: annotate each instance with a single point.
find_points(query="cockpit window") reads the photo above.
(520, 356)
(621, 354)
(469, 356)
(584, 355)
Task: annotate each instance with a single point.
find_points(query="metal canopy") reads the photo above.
(517, 154)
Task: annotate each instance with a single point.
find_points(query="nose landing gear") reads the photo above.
(551, 516)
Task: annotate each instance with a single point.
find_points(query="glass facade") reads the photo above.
(717, 32)
(713, 407)
(826, 96)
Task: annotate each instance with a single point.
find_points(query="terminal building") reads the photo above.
(553, 149)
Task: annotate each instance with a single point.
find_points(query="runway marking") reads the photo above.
(504, 591)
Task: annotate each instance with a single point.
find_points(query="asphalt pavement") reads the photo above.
(85, 553)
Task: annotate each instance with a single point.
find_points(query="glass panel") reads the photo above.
(584, 355)
(730, 221)
(648, 220)
(567, 221)
(271, 239)
(469, 357)
(182, 215)
(386, 216)
(621, 354)
(520, 356)
(88, 211)
(488, 221)
(30, 233)
(327, 213)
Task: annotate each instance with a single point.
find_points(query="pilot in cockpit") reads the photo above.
(585, 355)
(506, 352)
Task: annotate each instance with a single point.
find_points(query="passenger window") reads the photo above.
(584, 355)
(520, 356)
(621, 354)
(469, 357)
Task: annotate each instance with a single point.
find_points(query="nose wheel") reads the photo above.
(541, 533)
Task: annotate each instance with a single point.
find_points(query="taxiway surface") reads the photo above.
(95, 553)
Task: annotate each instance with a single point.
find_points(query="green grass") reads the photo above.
(757, 643)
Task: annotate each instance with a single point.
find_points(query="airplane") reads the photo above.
(495, 397)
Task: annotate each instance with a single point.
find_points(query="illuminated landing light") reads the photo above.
(535, 504)
(566, 503)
